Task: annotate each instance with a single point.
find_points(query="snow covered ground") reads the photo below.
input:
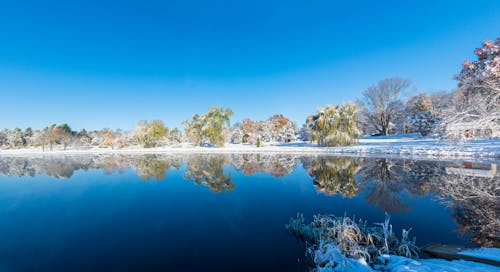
(330, 259)
(398, 263)
(410, 145)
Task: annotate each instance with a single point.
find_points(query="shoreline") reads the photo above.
(467, 151)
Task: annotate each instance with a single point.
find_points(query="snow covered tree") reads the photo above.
(420, 116)
(175, 136)
(381, 105)
(237, 133)
(476, 108)
(304, 133)
(440, 101)
(276, 128)
(335, 125)
(15, 138)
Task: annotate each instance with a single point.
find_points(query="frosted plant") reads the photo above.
(334, 242)
(386, 232)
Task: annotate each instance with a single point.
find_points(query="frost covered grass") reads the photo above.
(333, 240)
(345, 244)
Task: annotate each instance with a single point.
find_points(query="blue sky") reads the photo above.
(98, 64)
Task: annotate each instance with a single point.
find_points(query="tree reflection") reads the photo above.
(384, 182)
(276, 165)
(209, 171)
(474, 199)
(58, 167)
(153, 166)
(333, 175)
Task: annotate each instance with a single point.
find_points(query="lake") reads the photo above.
(224, 212)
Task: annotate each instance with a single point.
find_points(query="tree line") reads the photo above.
(472, 110)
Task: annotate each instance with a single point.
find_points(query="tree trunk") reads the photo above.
(385, 131)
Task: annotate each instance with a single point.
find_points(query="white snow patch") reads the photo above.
(400, 264)
(329, 258)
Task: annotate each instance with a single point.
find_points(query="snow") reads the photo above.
(400, 264)
(329, 258)
(484, 253)
(409, 145)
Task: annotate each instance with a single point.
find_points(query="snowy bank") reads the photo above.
(397, 145)
(330, 259)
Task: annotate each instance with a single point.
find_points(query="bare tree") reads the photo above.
(382, 105)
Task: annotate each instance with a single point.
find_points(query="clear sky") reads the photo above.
(97, 64)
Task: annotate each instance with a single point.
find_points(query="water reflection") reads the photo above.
(154, 166)
(384, 181)
(474, 201)
(470, 190)
(209, 171)
(334, 175)
(274, 165)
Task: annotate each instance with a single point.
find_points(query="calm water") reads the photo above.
(221, 212)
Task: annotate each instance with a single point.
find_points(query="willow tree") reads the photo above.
(335, 125)
(209, 127)
(215, 120)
